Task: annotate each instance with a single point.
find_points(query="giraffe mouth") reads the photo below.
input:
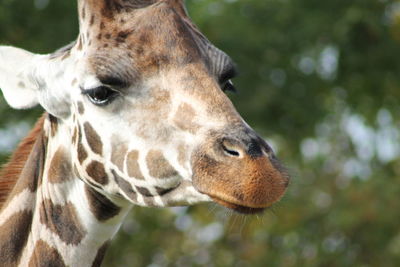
(237, 207)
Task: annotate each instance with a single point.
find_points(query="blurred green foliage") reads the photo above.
(320, 80)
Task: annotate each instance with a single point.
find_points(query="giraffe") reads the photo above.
(135, 114)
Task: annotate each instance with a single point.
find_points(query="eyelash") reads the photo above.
(228, 86)
(101, 96)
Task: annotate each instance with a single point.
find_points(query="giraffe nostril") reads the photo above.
(254, 149)
(230, 149)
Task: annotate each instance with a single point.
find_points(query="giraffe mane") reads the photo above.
(11, 171)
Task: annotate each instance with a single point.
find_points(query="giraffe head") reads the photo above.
(139, 102)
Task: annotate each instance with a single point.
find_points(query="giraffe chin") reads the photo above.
(238, 208)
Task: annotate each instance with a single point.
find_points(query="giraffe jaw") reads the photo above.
(232, 204)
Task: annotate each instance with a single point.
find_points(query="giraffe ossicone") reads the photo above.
(135, 115)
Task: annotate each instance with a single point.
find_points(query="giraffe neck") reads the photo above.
(51, 217)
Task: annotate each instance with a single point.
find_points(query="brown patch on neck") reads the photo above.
(45, 255)
(101, 207)
(14, 234)
(62, 221)
(100, 255)
(12, 170)
(60, 167)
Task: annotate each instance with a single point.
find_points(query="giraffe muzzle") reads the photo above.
(239, 171)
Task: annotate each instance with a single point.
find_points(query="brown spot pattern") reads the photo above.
(100, 255)
(125, 186)
(122, 35)
(143, 191)
(182, 154)
(133, 165)
(96, 170)
(14, 234)
(163, 191)
(60, 167)
(63, 221)
(82, 154)
(81, 108)
(158, 166)
(93, 139)
(185, 118)
(21, 85)
(45, 256)
(118, 155)
(101, 207)
(83, 13)
(91, 20)
(53, 125)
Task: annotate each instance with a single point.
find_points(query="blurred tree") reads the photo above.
(320, 80)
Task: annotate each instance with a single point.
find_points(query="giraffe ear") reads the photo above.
(28, 79)
(16, 79)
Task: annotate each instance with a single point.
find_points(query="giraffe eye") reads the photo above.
(101, 95)
(228, 87)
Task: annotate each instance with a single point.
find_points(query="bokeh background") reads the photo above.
(320, 80)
